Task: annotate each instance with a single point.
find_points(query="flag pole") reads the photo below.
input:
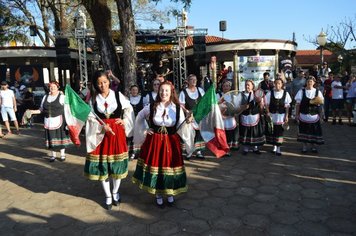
(100, 120)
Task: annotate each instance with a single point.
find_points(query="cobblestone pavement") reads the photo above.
(293, 194)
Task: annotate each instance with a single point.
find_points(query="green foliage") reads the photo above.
(11, 26)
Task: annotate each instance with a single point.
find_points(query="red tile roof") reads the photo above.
(208, 39)
(311, 57)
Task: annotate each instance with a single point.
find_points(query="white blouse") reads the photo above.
(192, 95)
(229, 121)
(111, 102)
(51, 98)
(146, 100)
(135, 100)
(164, 116)
(247, 120)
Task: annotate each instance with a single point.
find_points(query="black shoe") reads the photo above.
(62, 159)
(334, 122)
(314, 150)
(200, 156)
(187, 158)
(257, 152)
(228, 154)
(52, 159)
(116, 203)
(171, 204)
(108, 207)
(278, 153)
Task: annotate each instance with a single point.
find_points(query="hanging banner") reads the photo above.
(286, 66)
(28, 75)
(253, 67)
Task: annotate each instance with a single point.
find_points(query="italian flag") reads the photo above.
(76, 112)
(207, 114)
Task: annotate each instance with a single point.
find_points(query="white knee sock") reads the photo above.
(275, 148)
(63, 153)
(278, 149)
(170, 199)
(54, 154)
(106, 187)
(115, 189)
(159, 199)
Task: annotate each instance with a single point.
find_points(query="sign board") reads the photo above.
(253, 67)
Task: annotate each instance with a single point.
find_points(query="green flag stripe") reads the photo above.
(203, 107)
(78, 107)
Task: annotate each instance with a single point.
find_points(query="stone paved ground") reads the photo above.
(242, 195)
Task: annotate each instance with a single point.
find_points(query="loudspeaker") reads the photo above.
(63, 53)
(222, 25)
(199, 48)
(33, 30)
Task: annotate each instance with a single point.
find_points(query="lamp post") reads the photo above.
(340, 59)
(322, 38)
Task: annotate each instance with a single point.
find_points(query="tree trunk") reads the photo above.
(100, 15)
(127, 29)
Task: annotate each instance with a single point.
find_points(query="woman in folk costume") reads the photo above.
(106, 142)
(52, 106)
(227, 104)
(160, 169)
(136, 101)
(251, 132)
(151, 96)
(308, 109)
(277, 106)
(188, 98)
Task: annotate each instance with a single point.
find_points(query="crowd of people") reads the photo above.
(156, 127)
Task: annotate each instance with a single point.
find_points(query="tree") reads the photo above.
(11, 26)
(100, 15)
(128, 35)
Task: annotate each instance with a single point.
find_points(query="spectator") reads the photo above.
(351, 97)
(266, 85)
(327, 96)
(325, 70)
(337, 102)
(8, 107)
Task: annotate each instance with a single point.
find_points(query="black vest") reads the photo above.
(137, 107)
(253, 106)
(277, 105)
(115, 114)
(52, 109)
(170, 130)
(151, 97)
(306, 107)
(189, 102)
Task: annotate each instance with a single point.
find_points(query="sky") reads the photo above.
(267, 19)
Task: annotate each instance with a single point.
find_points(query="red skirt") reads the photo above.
(110, 158)
(160, 168)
